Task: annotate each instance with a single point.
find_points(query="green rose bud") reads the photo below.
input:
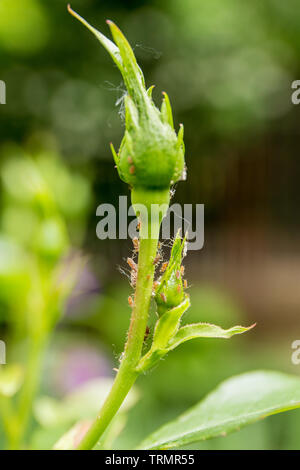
(151, 155)
(170, 292)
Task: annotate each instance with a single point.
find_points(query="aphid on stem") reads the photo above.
(155, 285)
(147, 332)
(133, 278)
(130, 301)
(132, 264)
(157, 258)
(164, 267)
(136, 244)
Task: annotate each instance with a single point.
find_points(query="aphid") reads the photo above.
(178, 274)
(132, 169)
(130, 301)
(182, 269)
(132, 264)
(136, 244)
(178, 288)
(129, 159)
(133, 277)
(164, 267)
(147, 331)
(155, 285)
(185, 284)
(163, 297)
(156, 259)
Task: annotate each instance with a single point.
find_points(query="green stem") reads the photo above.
(127, 373)
(29, 389)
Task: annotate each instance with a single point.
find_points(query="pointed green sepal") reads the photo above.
(132, 74)
(131, 114)
(180, 142)
(114, 153)
(111, 48)
(166, 111)
(150, 90)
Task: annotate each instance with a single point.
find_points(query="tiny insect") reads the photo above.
(164, 267)
(130, 301)
(136, 244)
(163, 296)
(156, 259)
(138, 226)
(133, 277)
(132, 264)
(132, 169)
(155, 285)
(178, 274)
(178, 288)
(129, 159)
(185, 284)
(147, 331)
(182, 269)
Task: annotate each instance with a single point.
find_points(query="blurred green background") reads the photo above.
(227, 67)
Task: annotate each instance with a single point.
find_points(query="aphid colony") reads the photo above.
(157, 260)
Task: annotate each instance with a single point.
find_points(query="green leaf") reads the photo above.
(167, 336)
(204, 330)
(168, 324)
(238, 401)
(166, 327)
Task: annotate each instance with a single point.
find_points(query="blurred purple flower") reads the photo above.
(77, 365)
(85, 291)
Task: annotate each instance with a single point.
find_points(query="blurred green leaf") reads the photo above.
(72, 438)
(11, 379)
(83, 403)
(238, 401)
(24, 26)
